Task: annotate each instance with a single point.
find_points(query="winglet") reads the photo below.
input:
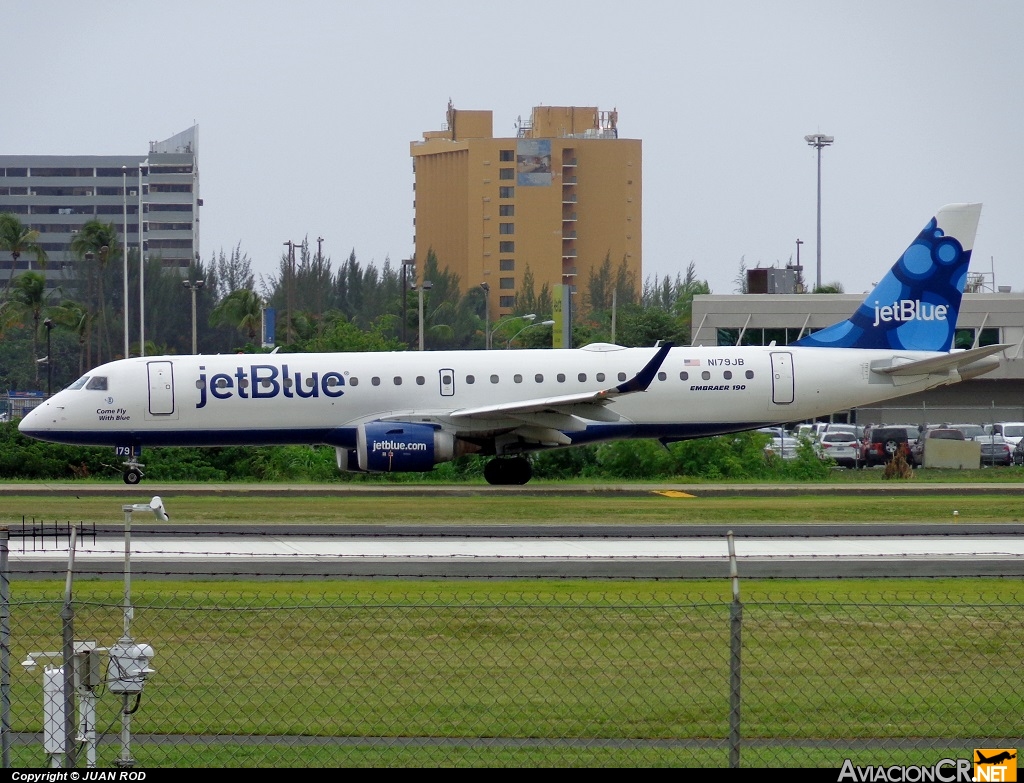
(642, 379)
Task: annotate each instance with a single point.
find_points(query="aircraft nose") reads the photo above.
(36, 419)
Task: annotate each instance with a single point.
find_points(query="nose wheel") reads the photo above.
(133, 475)
(132, 467)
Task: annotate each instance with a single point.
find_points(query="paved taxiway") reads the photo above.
(679, 551)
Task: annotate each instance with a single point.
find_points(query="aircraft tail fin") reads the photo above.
(915, 306)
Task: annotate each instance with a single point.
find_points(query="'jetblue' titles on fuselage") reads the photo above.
(265, 381)
(910, 310)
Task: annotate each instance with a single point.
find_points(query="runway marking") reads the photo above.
(673, 493)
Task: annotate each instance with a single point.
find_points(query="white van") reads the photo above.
(1012, 431)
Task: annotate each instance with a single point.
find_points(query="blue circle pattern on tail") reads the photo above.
(914, 307)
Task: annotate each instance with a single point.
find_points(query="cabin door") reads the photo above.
(783, 391)
(161, 388)
(447, 378)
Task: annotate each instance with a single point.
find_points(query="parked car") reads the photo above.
(934, 433)
(971, 431)
(1012, 431)
(995, 450)
(882, 444)
(842, 447)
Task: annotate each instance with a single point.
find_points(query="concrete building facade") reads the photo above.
(558, 199)
(57, 194)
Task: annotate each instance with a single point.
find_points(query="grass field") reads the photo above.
(650, 509)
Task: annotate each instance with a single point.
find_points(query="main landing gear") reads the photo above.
(511, 470)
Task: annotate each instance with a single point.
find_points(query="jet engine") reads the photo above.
(399, 447)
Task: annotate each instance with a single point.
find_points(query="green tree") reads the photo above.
(241, 309)
(17, 238)
(95, 245)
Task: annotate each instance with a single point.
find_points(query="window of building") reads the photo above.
(507, 265)
(506, 155)
(506, 173)
(506, 301)
(506, 247)
(506, 228)
(506, 192)
(507, 210)
(964, 338)
(508, 283)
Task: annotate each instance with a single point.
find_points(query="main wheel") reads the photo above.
(514, 470)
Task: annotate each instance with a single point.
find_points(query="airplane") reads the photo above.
(409, 411)
(1003, 756)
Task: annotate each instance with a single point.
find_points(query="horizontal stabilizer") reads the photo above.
(943, 363)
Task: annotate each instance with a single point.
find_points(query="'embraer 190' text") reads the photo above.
(264, 381)
(910, 310)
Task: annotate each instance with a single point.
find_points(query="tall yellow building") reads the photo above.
(559, 198)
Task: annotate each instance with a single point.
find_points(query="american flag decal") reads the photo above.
(691, 363)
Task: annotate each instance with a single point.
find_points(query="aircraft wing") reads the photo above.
(580, 404)
(954, 360)
(543, 420)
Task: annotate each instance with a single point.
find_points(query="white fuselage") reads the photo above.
(301, 398)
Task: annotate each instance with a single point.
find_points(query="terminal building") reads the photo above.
(57, 194)
(557, 199)
(986, 318)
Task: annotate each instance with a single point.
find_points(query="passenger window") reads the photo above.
(310, 383)
(374, 380)
(333, 382)
(494, 379)
(287, 383)
(600, 377)
(398, 380)
(420, 380)
(538, 378)
(265, 383)
(706, 375)
(662, 376)
(222, 383)
(622, 376)
(97, 383)
(582, 377)
(727, 375)
(200, 384)
(353, 381)
(684, 376)
(470, 379)
(517, 378)
(749, 374)
(560, 377)
(243, 384)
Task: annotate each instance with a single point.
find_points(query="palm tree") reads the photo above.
(30, 297)
(97, 241)
(17, 238)
(242, 309)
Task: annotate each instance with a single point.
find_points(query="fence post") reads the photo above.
(5, 651)
(67, 616)
(735, 646)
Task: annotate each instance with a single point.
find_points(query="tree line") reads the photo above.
(51, 334)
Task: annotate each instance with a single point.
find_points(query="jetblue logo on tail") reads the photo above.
(910, 310)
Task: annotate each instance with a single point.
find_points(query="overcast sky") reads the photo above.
(306, 110)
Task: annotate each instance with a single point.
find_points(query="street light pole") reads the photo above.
(124, 252)
(818, 141)
(487, 315)
(49, 358)
(194, 286)
(406, 263)
(426, 285)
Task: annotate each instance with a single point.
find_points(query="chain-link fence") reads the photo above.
(457, 673)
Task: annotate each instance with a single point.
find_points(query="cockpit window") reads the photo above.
(79, 383)
(97, 383)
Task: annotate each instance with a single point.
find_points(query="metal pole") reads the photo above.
(420, 289)
(68, 630)
(193, 288)
(735, 648)
(819, 218)
(5, 652)
(142, 276)
(49, 358)
(124, 251)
